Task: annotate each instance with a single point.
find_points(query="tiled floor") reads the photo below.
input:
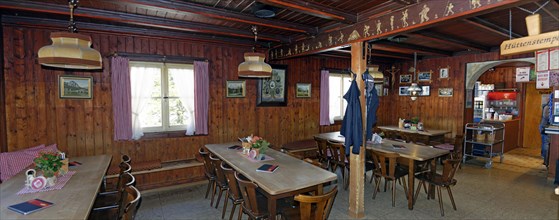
(507, 191)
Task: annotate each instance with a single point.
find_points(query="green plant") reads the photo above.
(415, 120)
(49, 163)
(261, 144)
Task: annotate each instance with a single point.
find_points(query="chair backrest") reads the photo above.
(131, 203)
(408, 137)
(321, 205)
(393, 135)
(449, 169)
(338, 153)
(125, 158)
(385, 169)
(234, 190)
(123, 168)
(208, 166)
(458, 145)
(248, 192)
(220, 176)
(125, 180)
(322, 146)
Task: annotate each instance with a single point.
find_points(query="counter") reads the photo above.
(512, 129)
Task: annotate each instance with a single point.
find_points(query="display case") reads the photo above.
(484, 140)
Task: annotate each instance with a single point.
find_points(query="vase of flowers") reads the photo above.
(260, 146)
(49, 163)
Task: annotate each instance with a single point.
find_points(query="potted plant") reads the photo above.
(49, 163)
(260, 145)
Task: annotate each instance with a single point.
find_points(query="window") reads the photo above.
(339, 84)
(162, 96)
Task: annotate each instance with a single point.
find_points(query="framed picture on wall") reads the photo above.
(424, 76)
(425, 91)
(446, 92)
(404, 91)
(75, 87)
(303, 90)
(273, 91)
(236, 88)
(443, 73)
(406, 78)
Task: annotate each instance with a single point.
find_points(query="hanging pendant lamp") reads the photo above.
(254, 65)
(70, 50)
(414, 89)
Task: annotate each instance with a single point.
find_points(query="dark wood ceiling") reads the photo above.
(230, 21)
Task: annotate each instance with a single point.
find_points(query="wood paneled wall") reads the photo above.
(436, 112)
(35, 114)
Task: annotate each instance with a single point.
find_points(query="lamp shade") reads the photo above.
(414, 90)
(70, 51)
(254, 66)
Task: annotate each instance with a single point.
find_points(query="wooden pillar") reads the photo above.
(357, 162)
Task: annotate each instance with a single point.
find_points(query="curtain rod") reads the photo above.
(155, 57)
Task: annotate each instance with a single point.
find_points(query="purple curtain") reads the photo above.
(202, 96)
(122, 106)
(324, 98)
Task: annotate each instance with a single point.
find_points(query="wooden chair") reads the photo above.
(386, 168)
(125, 178)
(123, 159)
(221, 180)
(315, 162)
(125, 209)
(446, 180)
(209, 171)
(312, 207)
(324, 155)
(254, 206)
(339, 160)
(133, 202)
(234, 193)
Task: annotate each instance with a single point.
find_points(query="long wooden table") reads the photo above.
(292, 177)
(428, 134)
(74, 201)
(412, 152)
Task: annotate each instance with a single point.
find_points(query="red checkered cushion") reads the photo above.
(12, 163)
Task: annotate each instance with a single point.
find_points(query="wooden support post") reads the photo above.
(357, 162)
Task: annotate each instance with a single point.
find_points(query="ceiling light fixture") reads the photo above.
(254, 65)
(414, 89)
(70, 50)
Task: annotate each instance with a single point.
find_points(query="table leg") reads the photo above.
(272, 207)
(411, 184)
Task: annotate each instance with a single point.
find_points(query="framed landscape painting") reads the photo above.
(75, 87)
(236, 89)
(272, 91)
(303, 90)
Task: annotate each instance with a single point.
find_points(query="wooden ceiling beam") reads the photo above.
(181, 7)
(452, 41)
(382, 53)
(413, 47)
(313, 9)
(134, 19)
(493, 28)
(94, 27)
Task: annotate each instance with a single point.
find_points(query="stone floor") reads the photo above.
(506, 191)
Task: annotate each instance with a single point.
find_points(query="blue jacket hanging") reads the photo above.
(352, 125)
(372, 103)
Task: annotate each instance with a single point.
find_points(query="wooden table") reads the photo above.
(293, 176)
(74, 201)
(429, 135)
(305, 148)
(412, 152)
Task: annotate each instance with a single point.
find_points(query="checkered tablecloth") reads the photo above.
(62, 180)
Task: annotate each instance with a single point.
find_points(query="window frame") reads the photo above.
(343, 77)
(164, 74)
